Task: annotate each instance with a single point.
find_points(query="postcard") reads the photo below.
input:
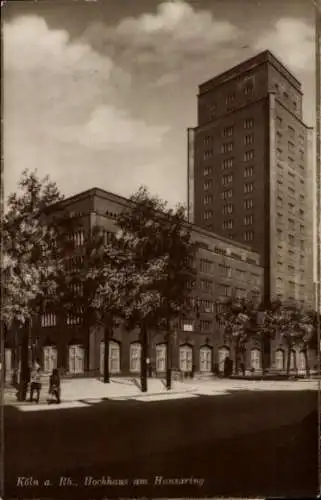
(160, 198)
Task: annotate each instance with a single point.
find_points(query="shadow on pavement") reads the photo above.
(275, 460)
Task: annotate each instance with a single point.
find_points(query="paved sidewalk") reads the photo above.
(89, 391)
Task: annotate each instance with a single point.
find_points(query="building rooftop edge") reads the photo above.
(124, 201)
(238, 66)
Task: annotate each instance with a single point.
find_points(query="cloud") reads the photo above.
(165, 40)
(64, 106)
(292, 40)
(110, 128)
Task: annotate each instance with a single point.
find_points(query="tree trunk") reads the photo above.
(24, 366)
(288, 360)
(168, 358)
(106, 356)
(263, 360)
(307, 365)
(236, 356)
(144, 355)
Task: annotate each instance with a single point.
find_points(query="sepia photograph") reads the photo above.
(160, 249)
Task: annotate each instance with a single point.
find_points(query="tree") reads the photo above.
(162, 236)
(26, 237)
(237, 316)
(265, 327)
(296, 328)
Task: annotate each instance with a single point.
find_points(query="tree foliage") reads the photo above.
(29, 263)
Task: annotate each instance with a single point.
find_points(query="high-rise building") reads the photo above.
(250, 171)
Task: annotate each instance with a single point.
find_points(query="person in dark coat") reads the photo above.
(54, 385)
(226, 366)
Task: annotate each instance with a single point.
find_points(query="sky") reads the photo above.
(100, 93)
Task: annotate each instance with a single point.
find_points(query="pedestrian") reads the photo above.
(54, 385)
(35, 383)
(242, 368)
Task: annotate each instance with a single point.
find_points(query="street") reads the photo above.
(241, 444)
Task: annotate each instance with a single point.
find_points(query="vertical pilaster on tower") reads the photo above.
(190, 173)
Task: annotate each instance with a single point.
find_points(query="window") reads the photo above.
(227, 131)
(205, 325)
(208, 140)
(208, 214)
(248, 139)
(50, 357)
(78, 238)
(279, 121)
(248, 204)
(135, 352)
(248, 220)
(48, 319)
(301, 213)
(227, 224)
(291, 132)
(225, 270)
(206, 285)
(279, 360)
(248, 123)
(206, 357)
(161, 358)
(191, 284)
(227, 163)
(227, 194)
(212, 110)
(248, 187)
(76, 359)
(227, 179)
(302, 229)
(208, 171)
(208, 199)
(291, 190)
(302, 245)
(225, 290)
(206, 266)
(248, 235)
(291, 239)
(227, 209)
(208, 154)
(291, 147)
(185, 358)
(291, 224)
(229, 99)
(248, 155)
(248, 88)
(240, 274)
(227, 147)
(248, 171)
(114, 357)
(256, 359)
(207, 185)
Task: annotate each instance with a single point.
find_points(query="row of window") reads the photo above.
(187, 354)
(229, 224)
(50, 319)
(207, 266)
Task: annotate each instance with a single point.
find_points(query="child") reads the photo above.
(54, 385)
